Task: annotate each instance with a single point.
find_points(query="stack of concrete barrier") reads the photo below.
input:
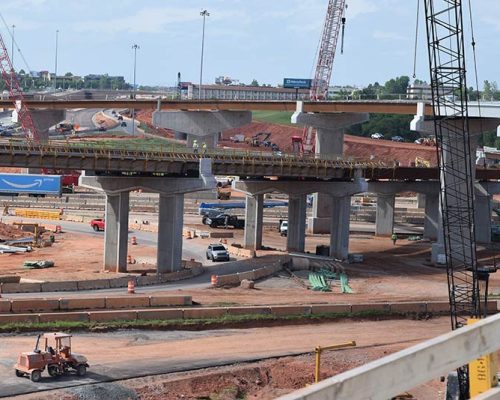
(254, 274)
(135, 311)
(240, 252)
(70, 286)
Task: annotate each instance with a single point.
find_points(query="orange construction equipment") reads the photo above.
(131, 287)
(214, 279)
(133, 240)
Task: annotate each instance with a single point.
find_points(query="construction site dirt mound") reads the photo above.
(9, 232)
(361, 148)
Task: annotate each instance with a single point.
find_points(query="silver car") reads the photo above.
(217, 252)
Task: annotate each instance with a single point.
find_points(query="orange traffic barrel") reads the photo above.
(58, 229)
(131, 287)
(213, 280)
(133, 240)
(130, 260)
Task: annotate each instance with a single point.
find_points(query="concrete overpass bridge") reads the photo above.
(173, 172)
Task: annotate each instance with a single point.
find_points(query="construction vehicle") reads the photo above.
(258, 139)
(420, 162)
(98, 224)
(447, 65)
(64, 127)
(54, 354)
(334, 22)
(69, 180)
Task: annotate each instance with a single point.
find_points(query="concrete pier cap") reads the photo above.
(330, 129)
(204, 126)
(170, 219)
(43, 120)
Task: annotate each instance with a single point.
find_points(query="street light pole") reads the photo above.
(12, 58)
(135, 47)
(204, 14)
(55, 72)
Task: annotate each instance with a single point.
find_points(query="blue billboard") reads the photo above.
(297, 83)
(35, 184)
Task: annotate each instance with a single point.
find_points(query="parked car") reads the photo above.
(123, 123)
(217, 252)
(120, 118)
(225, 220)
(102, 129)
(98, 224)
(397, 139)
(377, 136)
(209, 212)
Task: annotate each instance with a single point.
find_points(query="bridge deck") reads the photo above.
(375, 106)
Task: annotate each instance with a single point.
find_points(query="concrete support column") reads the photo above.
(297, 206)
(421, 200)
(432, 216)
(384, 223)
(482, 218)
(116, 232)
(254, 215)
(330, 129)
(339, 227)
(170, 223)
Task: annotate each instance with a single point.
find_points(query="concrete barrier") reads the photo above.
(167, 300)
(65, 286)
(106, 316)
(9, 279)
(32, 305)
(67, 316)
(159, 314)
(382, 307)
(4, 306)
(330, 309)
(409, 307)
(221, 235)
(21, 287)
(19, 318)
(79, 303)
(281, 311)
(94, 284)
(248, 310)
(203, 313)
(127, 302)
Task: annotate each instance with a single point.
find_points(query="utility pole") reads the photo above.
(55, 72)
(12, 57)
(135, 47)
(204, 14)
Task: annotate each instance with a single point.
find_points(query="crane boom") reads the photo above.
(333, 21)
(16, 93)
(445, 37)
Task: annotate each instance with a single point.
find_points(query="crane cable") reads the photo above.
(15, 43)
(416, 42)
(476, 75)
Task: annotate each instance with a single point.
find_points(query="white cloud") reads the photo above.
(359, 7)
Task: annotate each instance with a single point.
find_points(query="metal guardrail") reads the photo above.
(173, 152)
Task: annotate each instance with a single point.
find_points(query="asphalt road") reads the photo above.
(127, 354)
(190, 249)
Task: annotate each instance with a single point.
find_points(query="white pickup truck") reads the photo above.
(283, 228)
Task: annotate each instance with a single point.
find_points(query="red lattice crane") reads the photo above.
(16, 94)
(334, 23)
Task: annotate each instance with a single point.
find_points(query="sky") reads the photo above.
(266, 40)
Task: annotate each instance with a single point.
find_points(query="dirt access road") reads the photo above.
(120, 355)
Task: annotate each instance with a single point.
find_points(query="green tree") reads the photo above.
(254, 83)
(397, 86)
(487, 91)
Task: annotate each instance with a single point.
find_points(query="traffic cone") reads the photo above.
(131, 287)
(58, 229)
(133, 240)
